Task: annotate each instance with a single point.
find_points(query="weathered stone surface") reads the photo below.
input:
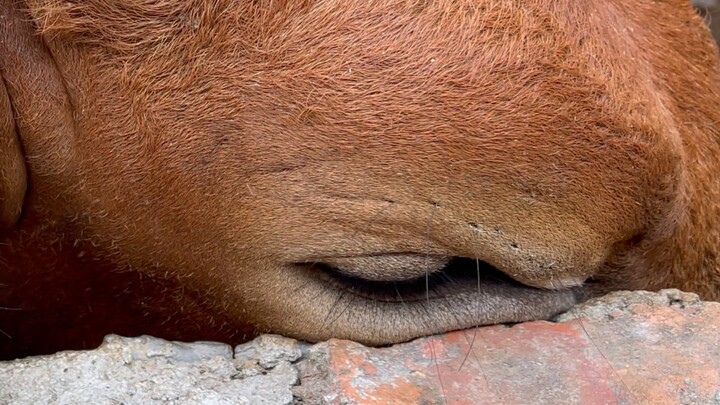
(625, 348)
(143, 370)
(269, 350)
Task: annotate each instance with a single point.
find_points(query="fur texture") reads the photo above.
(188, 162)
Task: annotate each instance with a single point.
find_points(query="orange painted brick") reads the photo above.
(626, 352)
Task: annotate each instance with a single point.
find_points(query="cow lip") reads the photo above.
(332, 305)
(461, 275)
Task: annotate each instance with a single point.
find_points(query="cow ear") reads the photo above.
(13, 175)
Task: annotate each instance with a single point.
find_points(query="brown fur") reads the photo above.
(188, 161)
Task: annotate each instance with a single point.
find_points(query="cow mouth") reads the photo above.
(460, 276)
(324, 300)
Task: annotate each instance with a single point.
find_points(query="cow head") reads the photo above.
(366, 170)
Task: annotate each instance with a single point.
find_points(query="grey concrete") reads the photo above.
(147, 370)
(603, 307)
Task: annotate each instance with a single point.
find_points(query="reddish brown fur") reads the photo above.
(182, 157)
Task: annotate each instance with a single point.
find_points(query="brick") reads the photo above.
(644, 352)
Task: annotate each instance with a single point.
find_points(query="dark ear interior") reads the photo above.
(13, 177)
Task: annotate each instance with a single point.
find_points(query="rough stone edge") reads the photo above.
(622, 301)
(311, 363)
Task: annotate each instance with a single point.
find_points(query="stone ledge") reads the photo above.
(624, 348)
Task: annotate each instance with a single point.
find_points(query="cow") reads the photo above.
(369, 170)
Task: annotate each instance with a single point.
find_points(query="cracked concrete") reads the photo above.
(624, 348)
(147, 370)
